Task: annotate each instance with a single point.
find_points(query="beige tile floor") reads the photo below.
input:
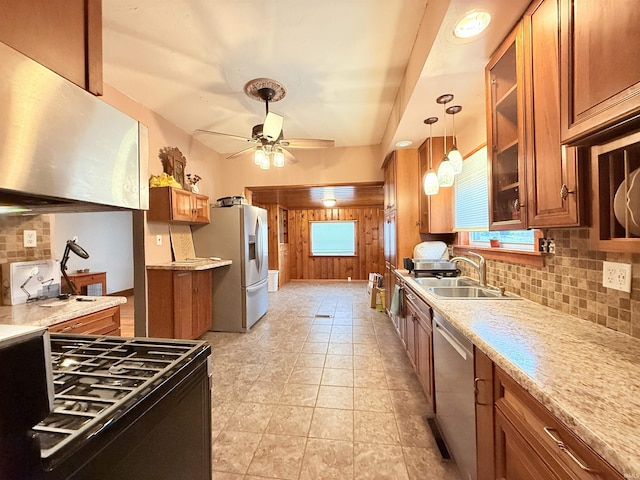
(320, 388)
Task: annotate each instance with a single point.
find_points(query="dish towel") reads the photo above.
(396, 302)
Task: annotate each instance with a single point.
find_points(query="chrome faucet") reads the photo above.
(481, 266)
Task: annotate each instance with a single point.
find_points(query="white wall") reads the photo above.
(108, 239)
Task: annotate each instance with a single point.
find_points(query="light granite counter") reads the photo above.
(203, 264)
(45, 313)
(586, 374)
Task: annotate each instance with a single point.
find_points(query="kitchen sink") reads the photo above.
(446, 282)
(470, 292)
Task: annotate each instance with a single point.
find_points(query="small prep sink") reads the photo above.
(470, 292)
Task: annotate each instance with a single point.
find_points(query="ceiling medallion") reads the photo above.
(253, 87)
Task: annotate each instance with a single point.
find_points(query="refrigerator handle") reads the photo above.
(259, 245)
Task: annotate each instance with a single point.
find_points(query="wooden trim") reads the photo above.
(534, 259)
(93, 46)
(122, 293)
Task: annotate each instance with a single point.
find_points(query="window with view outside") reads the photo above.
(511, 239)
(333, 238)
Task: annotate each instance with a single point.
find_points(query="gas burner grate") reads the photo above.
(98, 379)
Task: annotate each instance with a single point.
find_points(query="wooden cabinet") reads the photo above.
(168, 204)
(180, 303)
(519, 439)
(533, 180)
(436, 211)
(401, 223)
(601, 82)
(419, 340)
(506, 134)
(63, 35)
(553, 191)
(104, 322)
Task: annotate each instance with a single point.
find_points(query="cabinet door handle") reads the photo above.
(561, 445)
(564, 192)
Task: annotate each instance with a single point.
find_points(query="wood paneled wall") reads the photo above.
(370, 255)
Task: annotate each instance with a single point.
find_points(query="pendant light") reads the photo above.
(445, 169)
(454, 153)
(430, 180)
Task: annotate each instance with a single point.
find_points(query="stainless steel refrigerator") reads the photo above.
(240, 294)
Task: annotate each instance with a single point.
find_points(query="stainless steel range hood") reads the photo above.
(61, 148)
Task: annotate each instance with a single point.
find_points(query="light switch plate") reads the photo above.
(617, 276)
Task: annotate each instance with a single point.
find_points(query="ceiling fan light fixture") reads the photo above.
(329, 202)
(278, 158)
(259, 156)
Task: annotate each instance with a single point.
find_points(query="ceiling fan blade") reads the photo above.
(288, 156)
(307, 143)
(272, 126)
(236, 137)
(237, 154)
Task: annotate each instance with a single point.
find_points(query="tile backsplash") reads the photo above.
(571, 282)
(12, 248)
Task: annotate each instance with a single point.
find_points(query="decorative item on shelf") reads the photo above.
(193, 180)
(446, 171)
(494, 242)
(430, 180)
(174, 164)
(163, 180)
(454, 154)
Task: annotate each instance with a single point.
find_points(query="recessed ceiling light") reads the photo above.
(403, 143)
(473, 23)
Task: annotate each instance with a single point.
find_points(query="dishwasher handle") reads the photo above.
(452, 341)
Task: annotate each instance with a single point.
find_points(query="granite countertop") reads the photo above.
(195, 264)
(586, 374)
(45, 313)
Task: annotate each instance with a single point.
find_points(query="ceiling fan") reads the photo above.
(267, 138)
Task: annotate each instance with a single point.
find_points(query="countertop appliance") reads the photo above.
(240, 292)
(126, 408)
(430, 267)
(453, 366)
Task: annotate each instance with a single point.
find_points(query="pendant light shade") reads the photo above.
(446, 173)
(454, 154)
(445, 169)
(430, 180)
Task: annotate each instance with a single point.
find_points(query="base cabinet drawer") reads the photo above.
(104, 322)
(540, 437)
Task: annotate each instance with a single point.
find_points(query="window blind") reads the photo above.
(471, 194)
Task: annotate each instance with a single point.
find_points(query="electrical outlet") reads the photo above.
(616, 276)
(159, 240)
(29, 238)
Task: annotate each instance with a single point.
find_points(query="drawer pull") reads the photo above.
(66, 329)
(476, 391)
(565, 449)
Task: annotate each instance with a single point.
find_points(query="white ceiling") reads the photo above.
(341, 61)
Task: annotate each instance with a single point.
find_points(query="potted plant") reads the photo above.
(494, 242)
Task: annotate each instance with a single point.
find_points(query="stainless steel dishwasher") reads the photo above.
(454, 391)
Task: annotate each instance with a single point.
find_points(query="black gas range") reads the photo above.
(127, 408)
